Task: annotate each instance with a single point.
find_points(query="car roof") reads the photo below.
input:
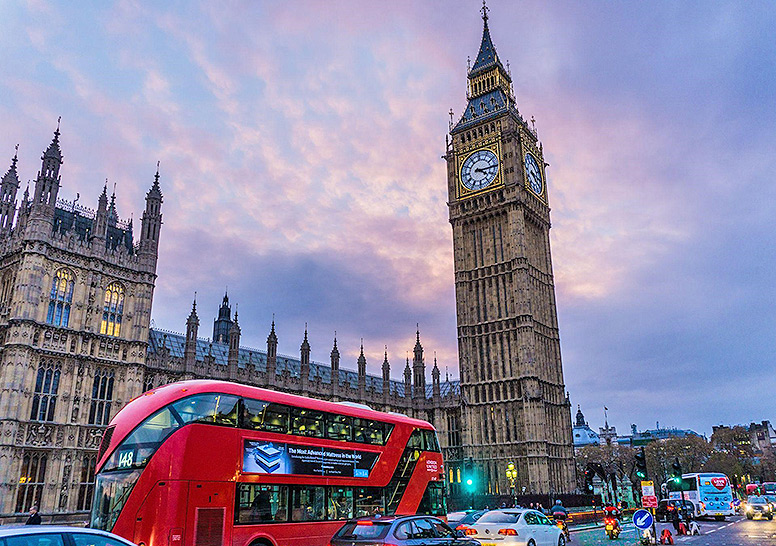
(47, 529)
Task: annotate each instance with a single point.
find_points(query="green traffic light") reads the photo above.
(469, 481)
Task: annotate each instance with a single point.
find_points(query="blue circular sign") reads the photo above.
(642, 519)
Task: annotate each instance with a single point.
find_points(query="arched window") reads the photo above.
(102, 396)
(113, 310)
(86, 487)
(44, 398)
(31, 481)
(61, 297)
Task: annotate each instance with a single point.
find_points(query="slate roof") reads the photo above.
(487, 57)
(176, 343)
(81, 222)
(490, 105)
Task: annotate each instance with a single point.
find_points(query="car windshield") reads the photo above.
(455, 516)
(757, 500)
(496, 516)
(365, 529)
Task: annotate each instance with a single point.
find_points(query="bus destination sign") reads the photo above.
(281, 458)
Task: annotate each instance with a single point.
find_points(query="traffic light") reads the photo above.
(676, 471)
(468, 475)
(641, 465)
(589, 475)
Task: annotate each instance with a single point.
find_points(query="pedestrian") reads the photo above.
(675, 520)
(531, 506)
(34, 518)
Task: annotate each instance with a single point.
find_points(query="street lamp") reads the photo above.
(512, 476)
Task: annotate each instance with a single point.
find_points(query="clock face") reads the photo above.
(534, 174)
(479, 170)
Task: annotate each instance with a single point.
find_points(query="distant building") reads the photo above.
(762, 436)
(582, 434)
(644, 437)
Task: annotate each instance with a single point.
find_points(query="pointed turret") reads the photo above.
(192, 327)
(407, 379)
(386, 375)
(272, 353)
(234, 345)
(435, 387)
(223, 323)
(335, 362)
(46, 188)
(151, 222)
(8, 188)
(362, 371)
(100, 226)
(418, 369)
(304, 350)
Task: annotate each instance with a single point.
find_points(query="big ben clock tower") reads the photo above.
(515, 405)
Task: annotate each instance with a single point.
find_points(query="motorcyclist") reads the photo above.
(611, 512)
(560, 514)
(558, 511)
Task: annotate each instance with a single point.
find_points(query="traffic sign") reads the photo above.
(649, 502)
(647, 488)
(736, 502)
(642, 519)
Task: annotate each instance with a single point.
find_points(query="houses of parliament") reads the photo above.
(76, 291)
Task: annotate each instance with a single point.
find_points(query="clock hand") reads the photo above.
(483, 170)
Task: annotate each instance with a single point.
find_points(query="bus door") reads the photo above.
(165, 503)
(209, 514)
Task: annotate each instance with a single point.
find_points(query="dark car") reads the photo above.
(459, 520)
(400, 531)
(55, 535)
(665, 510)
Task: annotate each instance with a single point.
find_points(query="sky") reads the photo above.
(300, 148)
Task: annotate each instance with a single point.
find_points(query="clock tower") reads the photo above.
(515, 405)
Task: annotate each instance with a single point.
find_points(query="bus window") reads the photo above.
(135, 451)
(368, 432)
(369, 501)
(340, 504)
(416, 440)
(220, 409)
(339, 427)
(258, 503)
(307, 503)
(305, 422)
(430, 442)
(433, 501)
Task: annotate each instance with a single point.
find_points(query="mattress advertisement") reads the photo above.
(282, 458)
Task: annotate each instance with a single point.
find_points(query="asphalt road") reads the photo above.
(736, 531)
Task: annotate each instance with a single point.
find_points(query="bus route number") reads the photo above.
(125, 458)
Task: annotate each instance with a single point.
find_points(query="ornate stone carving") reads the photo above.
(60, 441)
(93, 438)
(39, 435)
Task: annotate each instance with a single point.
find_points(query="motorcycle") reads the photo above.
(561, 524)
(612, 527)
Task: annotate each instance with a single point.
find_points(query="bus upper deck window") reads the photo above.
(305, 422)
(339, 427)
(220, 409)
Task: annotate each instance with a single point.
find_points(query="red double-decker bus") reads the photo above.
(201, 463)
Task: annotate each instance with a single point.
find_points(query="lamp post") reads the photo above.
(512, 476)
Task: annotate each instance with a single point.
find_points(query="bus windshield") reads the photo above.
(110, 494)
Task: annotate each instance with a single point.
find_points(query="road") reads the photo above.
(736, 531)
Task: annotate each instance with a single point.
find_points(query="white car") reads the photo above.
(516, 527)
(55, 535)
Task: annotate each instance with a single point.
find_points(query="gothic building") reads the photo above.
(515, 405)
(75, 345)
(75, 307)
